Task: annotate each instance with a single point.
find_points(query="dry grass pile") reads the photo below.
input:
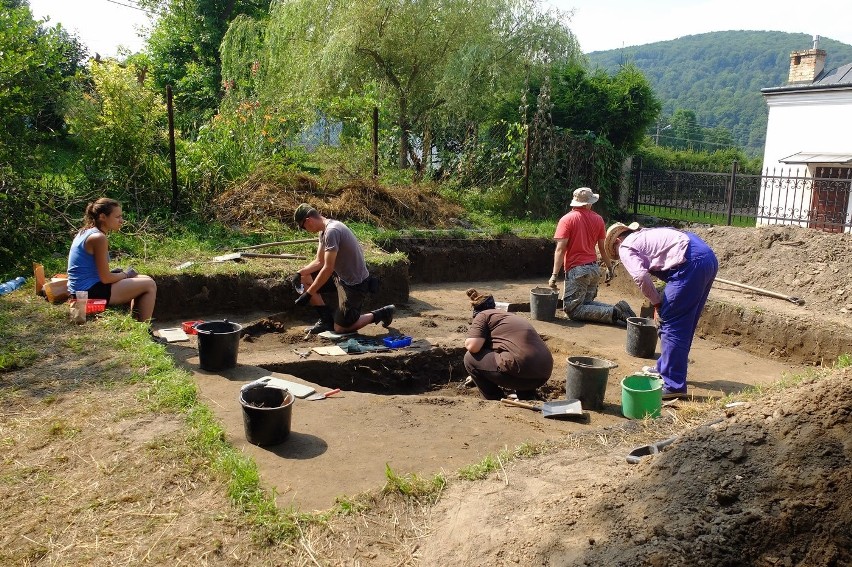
(274, 195)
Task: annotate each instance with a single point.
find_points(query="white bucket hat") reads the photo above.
(584, 196)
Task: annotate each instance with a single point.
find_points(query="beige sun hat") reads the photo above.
(584, 196)
(613, 232)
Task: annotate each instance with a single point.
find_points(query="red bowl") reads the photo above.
(189, 327)
(95, 306)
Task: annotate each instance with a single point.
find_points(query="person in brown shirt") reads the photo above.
(504, 351)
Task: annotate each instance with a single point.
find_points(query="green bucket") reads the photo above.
(641, 396)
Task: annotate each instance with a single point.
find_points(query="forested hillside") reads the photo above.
(718, 75)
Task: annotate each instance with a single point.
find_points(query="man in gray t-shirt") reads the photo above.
(337, 276)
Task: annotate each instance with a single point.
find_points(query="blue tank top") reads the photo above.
(82, 272)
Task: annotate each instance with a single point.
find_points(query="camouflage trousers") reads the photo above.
(581, 289)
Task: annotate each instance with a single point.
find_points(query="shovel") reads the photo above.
(314, 397)
(766, 292)
(635, 456)
(553, 410)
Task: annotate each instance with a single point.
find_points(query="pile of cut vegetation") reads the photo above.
(274, 195)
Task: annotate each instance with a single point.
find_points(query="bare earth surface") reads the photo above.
(744, 487)
(340, 446)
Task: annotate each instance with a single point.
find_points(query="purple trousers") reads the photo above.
(686, 291)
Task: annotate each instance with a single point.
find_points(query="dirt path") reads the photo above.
(416, 418)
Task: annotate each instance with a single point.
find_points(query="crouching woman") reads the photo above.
(504, 351)
(88, 264)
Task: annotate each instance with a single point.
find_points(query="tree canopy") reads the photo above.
(424, 60)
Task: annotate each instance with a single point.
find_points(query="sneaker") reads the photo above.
(673, 394)
(384, 315)
(624, 308)
(320, 327)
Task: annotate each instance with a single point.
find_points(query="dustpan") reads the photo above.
(553, 410)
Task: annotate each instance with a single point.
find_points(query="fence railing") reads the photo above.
(741, 199)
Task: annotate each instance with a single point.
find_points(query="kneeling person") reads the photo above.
(337, 276)
(504, 351)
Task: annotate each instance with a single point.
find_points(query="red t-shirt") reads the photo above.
(583, 228)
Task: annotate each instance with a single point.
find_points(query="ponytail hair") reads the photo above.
(93, 211)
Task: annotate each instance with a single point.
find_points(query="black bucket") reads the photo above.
(218, 343)
(641, 337)
(586, 380)
(267, 413)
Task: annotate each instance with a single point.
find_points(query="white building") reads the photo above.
(808, 154)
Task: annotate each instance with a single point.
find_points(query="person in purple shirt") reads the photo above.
(688, 266)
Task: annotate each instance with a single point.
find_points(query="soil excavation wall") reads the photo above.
(807, 339)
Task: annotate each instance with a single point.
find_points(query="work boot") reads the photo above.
(384, 315)
(325, 322)
(624, 308)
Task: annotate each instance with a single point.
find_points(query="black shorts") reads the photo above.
(347, 300)
(100, 290)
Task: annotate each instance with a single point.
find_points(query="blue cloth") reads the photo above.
(686, 291)
(82, 272)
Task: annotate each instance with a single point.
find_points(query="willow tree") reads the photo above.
(428, 60)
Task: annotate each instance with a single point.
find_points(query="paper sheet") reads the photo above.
(173, 334)
(298, 390)
(332, 350)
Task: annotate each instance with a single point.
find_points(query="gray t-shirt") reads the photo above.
(349, 266)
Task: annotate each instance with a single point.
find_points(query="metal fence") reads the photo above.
(734, 198)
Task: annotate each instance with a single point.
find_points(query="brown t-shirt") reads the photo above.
(520, 350)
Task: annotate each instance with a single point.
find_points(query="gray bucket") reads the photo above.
(543, 302)
(641, 337)
(586, 380)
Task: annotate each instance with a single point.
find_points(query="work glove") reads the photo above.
(131, 273)
(552, 282)
(304, 299)
(608, 274)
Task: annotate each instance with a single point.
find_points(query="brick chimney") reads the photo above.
(805, 66)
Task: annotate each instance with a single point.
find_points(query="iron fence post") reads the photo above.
(731, 188)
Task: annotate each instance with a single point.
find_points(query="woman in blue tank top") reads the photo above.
(88, 264)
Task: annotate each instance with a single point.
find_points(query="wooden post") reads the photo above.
(172, 157)
(527, 167)
(375, 142)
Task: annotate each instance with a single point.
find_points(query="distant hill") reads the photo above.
(719, 75)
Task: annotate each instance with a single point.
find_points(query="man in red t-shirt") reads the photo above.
(576, 235)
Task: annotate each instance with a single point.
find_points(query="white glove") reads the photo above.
(552, 281)
(609, 274)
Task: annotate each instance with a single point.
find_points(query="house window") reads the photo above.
(830, 198)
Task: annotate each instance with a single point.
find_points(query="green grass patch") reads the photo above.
(491, 463)
(414, 486)
(692, 216)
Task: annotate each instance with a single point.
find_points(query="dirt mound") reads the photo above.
(806, 263)
(270, 194)
(769, 485)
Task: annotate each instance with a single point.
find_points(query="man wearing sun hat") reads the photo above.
(577, 234)
(688, 266)
(504, 351)
(337, 276)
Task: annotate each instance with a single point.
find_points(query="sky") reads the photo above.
(599, 25)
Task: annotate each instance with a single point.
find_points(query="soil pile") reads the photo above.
(805, 263)
(769, 485)
(274, 195)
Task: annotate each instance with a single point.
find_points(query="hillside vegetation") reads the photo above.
(719, 75)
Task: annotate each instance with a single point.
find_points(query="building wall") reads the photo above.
(813, 121)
